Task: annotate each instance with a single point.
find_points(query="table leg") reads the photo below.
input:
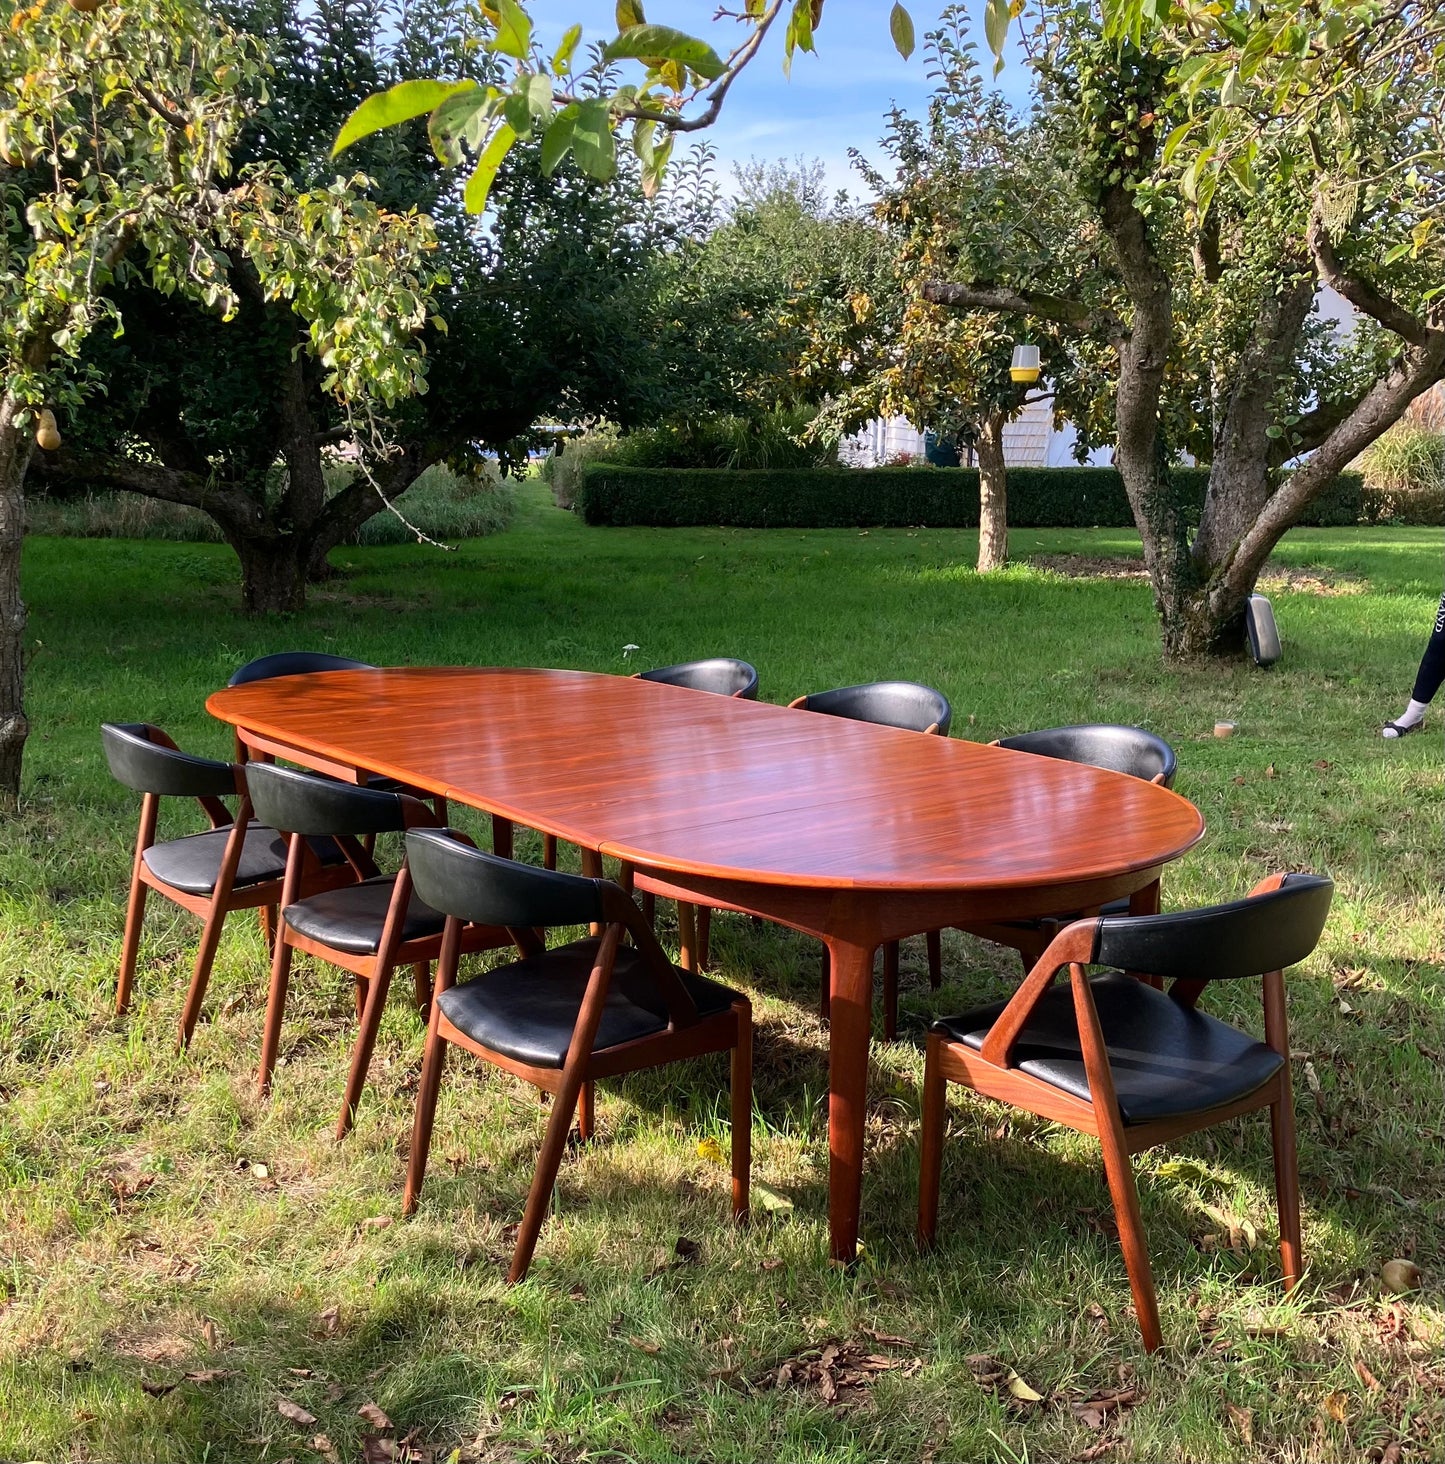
(851, 1009)
(1145, 901)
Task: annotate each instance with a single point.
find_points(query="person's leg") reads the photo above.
(1428, 680)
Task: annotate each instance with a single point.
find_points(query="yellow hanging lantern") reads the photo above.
(1025, 365)
(47, 434)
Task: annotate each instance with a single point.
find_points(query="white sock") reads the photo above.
(1408, 718)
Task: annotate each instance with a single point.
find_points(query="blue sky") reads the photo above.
(833, 101)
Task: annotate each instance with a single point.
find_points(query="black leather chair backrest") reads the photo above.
(904, 704)
(307, 803)
(722, 675)
(1221, 942)
(148, 767)
(459, 880)
(1129, 750)
(294, 663)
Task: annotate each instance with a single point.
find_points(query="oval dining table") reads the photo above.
(852, 832)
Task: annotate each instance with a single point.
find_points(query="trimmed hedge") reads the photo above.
(938, 498)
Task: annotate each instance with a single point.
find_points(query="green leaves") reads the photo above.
(557, 140)
(562, 56)
(995, 28)
(514, 31)
(400, 103)
(900, 27)
(479, 185)
(592, 142)
(663, 43)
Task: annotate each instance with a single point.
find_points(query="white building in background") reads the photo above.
(1029, 441)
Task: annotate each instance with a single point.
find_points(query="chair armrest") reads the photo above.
(619, 908)
(1072, 946)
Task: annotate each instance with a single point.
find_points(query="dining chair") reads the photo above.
(236, 864)
(1109, 1055)
(1131, 750)
(915, 708)
(563, 1017)
(368, 927)
(723, 676)
(305, 663)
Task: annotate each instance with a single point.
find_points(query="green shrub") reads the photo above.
(563, 468)
(440, 503)
(849, 497)
(1404, 473)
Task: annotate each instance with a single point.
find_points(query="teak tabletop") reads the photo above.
(855, 833)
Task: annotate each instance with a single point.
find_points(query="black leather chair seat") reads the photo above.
(192, 864)
(527, 1009)
(1166, 1059)
(352, 918)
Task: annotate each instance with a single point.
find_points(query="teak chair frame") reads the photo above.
(572, 1085)
(372, 972)
(991, 1073)
(212, 909)
(1031, 938)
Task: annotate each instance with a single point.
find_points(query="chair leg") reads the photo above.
(825, 997)
(432, 1066)
(201, 974)
(130, 945)
(1125, 1194)
(587, 1112)
(890, 991)
(935, 958)
(549, 1161)
(549, 851)
(742, 1112)
(704, 934)
(1286, 1186)
(275, 1010)
(421, 985)
(930, 1144)
(376, 990)
(267, 914)
(687, 936)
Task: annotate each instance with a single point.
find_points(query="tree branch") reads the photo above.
(1359, 292)
(1023, 302)
(228, 506)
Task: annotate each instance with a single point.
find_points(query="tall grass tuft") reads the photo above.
(1405, 474)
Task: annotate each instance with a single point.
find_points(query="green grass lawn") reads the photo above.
(161, 1294)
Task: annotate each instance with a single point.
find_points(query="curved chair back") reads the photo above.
(470, 885)
(905, 704)
(721, 674)
(143, 758)
(1129, 750)
(1221, 942)
(307, 803)
(294, 663)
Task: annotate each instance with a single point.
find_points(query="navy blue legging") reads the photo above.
(1431, 675)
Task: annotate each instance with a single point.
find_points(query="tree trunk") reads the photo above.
(992, 495)
(273, 572)
(14, 728)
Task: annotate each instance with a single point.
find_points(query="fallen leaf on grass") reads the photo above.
(989, 1372)
(1243, 1421)
(840, 1372)
(260, 1171)
(322, 1444)
(208, 1333)
(376, 1222)
(1366, 1376)
(156, 1389)
(1097, 1450)
(1096, 1411)
(208, 1375)
(644, 1344)
(711, 1150)
(772, 1263)
(329, 1321)
(771, 1200)
(1337, 1406)
(301, 1372)
(295, 1412)
(375, 1417)
(377, 1450)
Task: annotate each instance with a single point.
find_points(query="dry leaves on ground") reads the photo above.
(295, 1412)
(840, 1372)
